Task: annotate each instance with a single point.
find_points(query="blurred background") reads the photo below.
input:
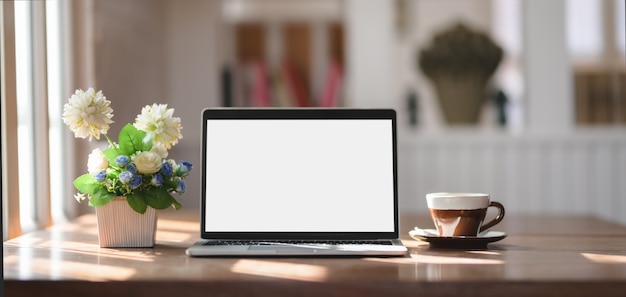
(522, 99)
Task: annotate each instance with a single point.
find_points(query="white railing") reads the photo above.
(579, 173)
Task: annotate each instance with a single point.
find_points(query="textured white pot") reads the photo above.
(120, 226)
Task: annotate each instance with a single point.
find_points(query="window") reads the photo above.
(507, 31)
(595, 39)
(25, 112)
(32, 86)
(620, 24)
(57, 62)
(584, 29)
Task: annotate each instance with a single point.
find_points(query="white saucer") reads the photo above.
(431, 236)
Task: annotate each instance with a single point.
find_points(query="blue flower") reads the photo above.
(131, 168)
(125, 177)
(101, 176)
(183, 168)
(167, 169)
(157, 180)
(135, 181)
(181, 187)
(122, 160)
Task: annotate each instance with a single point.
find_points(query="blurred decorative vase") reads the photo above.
(120, 226)
(461, 98)
(459, 63)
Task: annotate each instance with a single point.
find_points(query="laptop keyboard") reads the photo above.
(297, 242)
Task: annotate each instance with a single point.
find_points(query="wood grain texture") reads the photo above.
(542, 256)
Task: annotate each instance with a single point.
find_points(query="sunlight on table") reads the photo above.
(600, 258)
(73, 270)
(301, 272)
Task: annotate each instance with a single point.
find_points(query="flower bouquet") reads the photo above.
(135, 167)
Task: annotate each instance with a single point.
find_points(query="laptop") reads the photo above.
(299, 182)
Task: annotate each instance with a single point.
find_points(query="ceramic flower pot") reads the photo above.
(120, 226)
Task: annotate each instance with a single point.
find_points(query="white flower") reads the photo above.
(148, 162)
(88, 114)
(157, 120)
(160, 150)
(96, 162)
(80, 196)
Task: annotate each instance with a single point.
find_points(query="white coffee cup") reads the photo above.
(462, 214)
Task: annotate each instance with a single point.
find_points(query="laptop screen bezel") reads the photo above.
(298, 113)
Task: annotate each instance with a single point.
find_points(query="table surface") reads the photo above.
(541, 255)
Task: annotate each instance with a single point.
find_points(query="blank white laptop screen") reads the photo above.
(299, 175)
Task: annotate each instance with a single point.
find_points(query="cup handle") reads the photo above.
(498, 217)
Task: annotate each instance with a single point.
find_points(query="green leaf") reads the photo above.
(87, 184)
(137, 203)
(101, 197)
(159, 198)
(170, 183)
(176, 205)
(111, 154)
(147, 141)
(131, 140)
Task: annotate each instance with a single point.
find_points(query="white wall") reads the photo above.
(160, 51)
(129, 56)
(562, 174)
(370, 42)
(192, 77)
(548, 76)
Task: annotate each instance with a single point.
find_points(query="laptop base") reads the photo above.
(201, 249)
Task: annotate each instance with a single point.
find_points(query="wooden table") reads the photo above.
(542, 256)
